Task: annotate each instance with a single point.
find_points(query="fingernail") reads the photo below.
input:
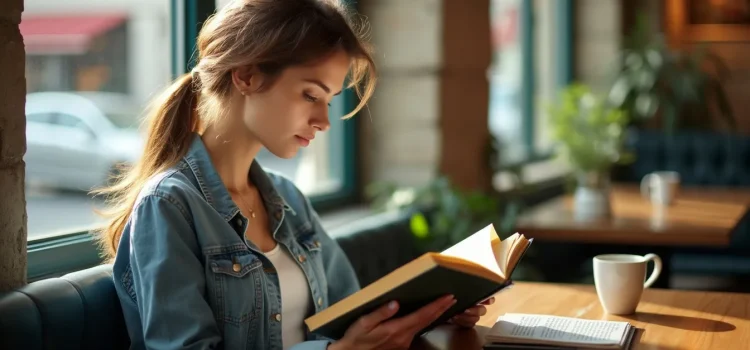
(392, 305)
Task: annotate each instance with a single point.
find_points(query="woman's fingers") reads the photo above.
(465, 320)
(478, 310)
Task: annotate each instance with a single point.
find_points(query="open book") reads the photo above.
(472, 270)
(531, 331)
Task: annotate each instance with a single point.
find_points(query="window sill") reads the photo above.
(55, 255)
(539, 169)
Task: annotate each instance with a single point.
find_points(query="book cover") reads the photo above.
(472, 270)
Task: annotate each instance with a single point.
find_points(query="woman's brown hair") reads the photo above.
(269, 35)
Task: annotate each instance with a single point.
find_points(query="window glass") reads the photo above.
(69, 120)
(506, 76)
(43, 118)
(86, 60)
(524, 74)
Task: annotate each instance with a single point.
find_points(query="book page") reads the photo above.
(482, 248)
(520, 243)
(558, 329)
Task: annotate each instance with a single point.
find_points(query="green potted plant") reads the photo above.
(589, 135)
(441, 214)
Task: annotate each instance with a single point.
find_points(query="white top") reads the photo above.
(295, 296)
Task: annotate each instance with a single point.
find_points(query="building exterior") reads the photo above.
(114, 45)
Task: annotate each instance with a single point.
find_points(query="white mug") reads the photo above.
(619, 280)
(661, 187)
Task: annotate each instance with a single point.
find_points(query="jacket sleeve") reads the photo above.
(168, 278)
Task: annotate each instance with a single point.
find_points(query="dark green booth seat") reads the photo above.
(77, 311)
(377, 244)
(702, 159)
(81, 310)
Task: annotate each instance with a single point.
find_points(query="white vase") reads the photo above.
(591, 200)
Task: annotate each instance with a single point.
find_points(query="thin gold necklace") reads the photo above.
(248, 207)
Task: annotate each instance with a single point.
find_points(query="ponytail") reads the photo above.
(172, 121)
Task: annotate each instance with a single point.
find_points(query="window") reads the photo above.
(85, 59)
(100, 63)
(531, 60)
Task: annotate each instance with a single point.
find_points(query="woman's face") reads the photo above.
(288, 114)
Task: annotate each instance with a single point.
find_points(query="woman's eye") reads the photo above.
(310, 98)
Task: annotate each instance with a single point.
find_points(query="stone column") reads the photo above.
(401, 135)
(598, 41)
(433, 57)
(12, 147)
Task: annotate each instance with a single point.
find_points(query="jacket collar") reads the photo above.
(214, 190)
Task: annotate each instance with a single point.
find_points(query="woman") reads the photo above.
(209, 250)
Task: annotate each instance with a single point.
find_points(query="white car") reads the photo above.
(76, 139)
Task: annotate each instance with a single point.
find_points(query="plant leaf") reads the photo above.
(419, 226)
(722, 103)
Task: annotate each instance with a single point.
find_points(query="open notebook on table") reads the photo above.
(530, 331)
(472, 270)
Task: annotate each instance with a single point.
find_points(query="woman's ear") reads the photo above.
(244, 79)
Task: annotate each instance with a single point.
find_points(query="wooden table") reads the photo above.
(669, 319)
(699, 217)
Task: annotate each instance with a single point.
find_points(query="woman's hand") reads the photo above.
(470, 317)
(377, 331)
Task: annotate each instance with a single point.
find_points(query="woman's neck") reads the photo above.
(232, 151)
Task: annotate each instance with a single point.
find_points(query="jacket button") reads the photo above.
(301, 258)
(278, 215)
(320, 301)
(277, 317)
(317, 244)
(236, 267)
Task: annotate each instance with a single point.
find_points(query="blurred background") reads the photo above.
(486, 111)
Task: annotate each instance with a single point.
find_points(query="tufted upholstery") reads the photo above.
(702, 159)
(77, 311)
(81, 310)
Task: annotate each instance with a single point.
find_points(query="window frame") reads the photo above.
(564, 37)
(55, 255)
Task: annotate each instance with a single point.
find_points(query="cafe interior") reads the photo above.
(609, 131)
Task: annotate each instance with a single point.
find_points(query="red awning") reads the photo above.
(64, 34)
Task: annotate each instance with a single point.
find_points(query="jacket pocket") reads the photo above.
(309, 240)
(235, 286)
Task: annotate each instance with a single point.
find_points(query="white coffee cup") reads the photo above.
(661, 187)
(619, 280)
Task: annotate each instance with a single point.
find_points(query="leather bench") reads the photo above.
(80, 310)
(77, 311)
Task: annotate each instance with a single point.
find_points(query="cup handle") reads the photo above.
(646, 185)
(657, 269)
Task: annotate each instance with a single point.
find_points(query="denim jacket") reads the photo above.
(187, 278)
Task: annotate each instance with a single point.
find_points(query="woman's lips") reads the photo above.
(303, 141)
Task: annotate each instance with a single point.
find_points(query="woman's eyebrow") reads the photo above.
(322, 86)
